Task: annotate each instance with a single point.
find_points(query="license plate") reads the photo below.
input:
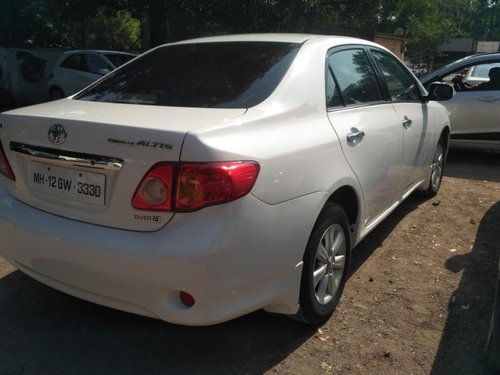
(68, 183)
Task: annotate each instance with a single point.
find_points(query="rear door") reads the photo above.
(369, 130)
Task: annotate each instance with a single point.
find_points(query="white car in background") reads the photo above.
(214, 177)
(76, 70)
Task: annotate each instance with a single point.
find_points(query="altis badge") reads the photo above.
(148, 144)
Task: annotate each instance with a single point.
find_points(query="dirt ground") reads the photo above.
(418, 301)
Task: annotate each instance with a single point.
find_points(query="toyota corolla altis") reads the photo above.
(214, 177)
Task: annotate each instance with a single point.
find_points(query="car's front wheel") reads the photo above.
(326, 261)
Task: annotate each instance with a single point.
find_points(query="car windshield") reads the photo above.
(213, 75)
(118, 58)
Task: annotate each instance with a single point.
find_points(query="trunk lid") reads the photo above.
(93, 173)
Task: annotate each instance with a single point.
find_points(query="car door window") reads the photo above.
(355, 76)
(400, 83)
(332, 91)
(486, 76)
(95, 65)
(73, 62)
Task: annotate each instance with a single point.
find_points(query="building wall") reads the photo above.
(392, 43)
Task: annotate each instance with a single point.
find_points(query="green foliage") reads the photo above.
(116, 24)
(113, 30)
(68, 24)
(429, 23)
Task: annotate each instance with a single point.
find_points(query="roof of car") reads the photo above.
(273, 37)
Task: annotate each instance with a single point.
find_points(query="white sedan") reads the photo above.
(214, 177)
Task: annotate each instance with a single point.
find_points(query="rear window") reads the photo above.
(118, 59)
(213, 75)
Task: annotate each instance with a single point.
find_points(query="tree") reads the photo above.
(113, 30)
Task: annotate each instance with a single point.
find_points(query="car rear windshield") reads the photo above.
(118, 58)
(213, 75)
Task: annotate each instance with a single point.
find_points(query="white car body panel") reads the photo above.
(96, 124)
(419, 140)
(379, 176)
(473, 112)
(236, 257)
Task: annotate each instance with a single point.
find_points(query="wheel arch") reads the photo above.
(346, 197)
(445, 138)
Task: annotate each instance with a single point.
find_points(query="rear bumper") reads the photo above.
(233, 258)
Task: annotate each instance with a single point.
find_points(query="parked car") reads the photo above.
(493, 344)
(475, 108)
(214, 177)
(77, 69)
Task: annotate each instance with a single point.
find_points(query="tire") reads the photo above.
(327, 255)
(436, 172)
(56, 93)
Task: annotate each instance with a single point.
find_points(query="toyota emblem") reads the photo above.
(57, 134)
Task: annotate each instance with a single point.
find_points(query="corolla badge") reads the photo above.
(57, 134)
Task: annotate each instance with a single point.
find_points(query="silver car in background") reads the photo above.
(475, 108)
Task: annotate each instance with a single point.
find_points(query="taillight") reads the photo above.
(197, 185)
(5, 168)
(206, 184)
(155, 189)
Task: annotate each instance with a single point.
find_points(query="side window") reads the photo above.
(485, 76)
(93, 64)
(480, 77)
(355, 76)
(400, 83)
(332, 91)
(72, 62)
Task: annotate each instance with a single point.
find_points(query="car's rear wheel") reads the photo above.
(56, 93)
(436, 172)
(326, 261)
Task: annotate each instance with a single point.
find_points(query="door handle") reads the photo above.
(355, 136)
(407, 122)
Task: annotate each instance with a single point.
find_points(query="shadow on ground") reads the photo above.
(46, 332)
(469, 310)
(474, 162)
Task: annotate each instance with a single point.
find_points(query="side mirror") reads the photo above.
(103, 71)
(440, 91)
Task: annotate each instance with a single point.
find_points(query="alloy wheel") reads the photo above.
(329, 264)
